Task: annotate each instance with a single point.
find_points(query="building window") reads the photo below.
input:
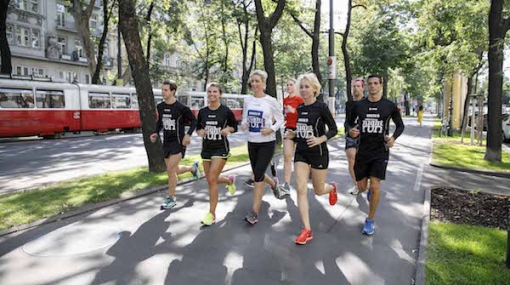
(177, 61)
(106, 49)
(38, 72)
(61, 15)
(87, 78)
(21, 4)
(78, 48)
(62, 46)
(10, 33)
(23, 36)
(22, 70)
(35, 6)
(167, 60)
(93, 23)
(35, 38)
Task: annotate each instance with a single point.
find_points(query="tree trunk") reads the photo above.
(100, 49)
(406, 103)
(5, 50)
(497, 30)
(466, 109)
(149, 40)
(81, 19)
(129, 28)
(385, 83)
(316, 44)
(345, 35)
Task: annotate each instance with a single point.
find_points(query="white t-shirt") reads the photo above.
(259, 113)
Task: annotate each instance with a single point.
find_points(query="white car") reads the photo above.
(506, 127)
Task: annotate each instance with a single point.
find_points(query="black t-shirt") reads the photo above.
(373, 124)
(349, 106)
(312, 121)
(213, 121)
(171, 118)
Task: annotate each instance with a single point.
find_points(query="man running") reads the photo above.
(373, 116)
(351, 144)
(172, 115)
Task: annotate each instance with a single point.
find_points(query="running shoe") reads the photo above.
(354, 190)
(232, 186)
(284, 189)
(304, 236)
(368, 229)
(273, 168)
(169, 203)
(196, 170)
(251, 218)
(249, 183)
(209, 219)
(333, 197)
(276, 188)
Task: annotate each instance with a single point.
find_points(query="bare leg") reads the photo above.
(302, 170)
(172, 165)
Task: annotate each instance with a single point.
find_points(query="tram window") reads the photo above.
(16, 98)
(121, 101)
(158, 99)
(99, 101)
(233, 104)
(197, 103)
(184, 99)
(50, 99)
(134, 101)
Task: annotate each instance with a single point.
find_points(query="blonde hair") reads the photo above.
(312, 79)
(261, 73)
(214, 84)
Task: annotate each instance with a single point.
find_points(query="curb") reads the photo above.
(474, 171)
(92, 207)
(422, 252)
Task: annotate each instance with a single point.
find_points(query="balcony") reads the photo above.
(66, 25)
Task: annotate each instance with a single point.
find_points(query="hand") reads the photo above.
(390, 141)
(354, 132)
(154, 136)
(313, 141)
(289, 135)
(265, 131)
(225, 132)
(290, 109)
(186, 140)
(244, 127)
(201, 133)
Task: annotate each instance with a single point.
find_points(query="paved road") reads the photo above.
(135, 243)
(30, 164)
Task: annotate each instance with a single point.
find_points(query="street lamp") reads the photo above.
(331, 60)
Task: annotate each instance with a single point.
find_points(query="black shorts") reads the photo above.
(261, 155)
(314, 159)
(375, 167)
(351, 142)
(208, 153)
(174, 148)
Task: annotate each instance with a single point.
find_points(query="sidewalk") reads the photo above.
(133, 242)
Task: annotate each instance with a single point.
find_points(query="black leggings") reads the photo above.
(261, 155)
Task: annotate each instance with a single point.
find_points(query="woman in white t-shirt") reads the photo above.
(259, 111)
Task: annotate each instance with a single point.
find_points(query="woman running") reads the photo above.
(215, 123)
(311, 149)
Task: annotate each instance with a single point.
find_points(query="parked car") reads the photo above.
(506, 127)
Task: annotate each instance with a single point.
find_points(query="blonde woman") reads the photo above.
(311, 149)
(258, 113)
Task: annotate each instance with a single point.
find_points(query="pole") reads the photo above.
(332, 75)
(119, 56)
(450, 127)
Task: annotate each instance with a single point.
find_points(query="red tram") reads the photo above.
(50, 109)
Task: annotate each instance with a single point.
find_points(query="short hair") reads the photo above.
(312, 79)
(215, 84)
(375, 76)
(359, 80)
(172, 84)
(261, 73)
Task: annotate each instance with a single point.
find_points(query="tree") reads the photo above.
(81, 19)
(5, 50)
(266, 26)
(498, 26)
(106, 21)
(128, 25)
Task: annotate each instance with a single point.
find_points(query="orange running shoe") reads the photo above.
(304, 236)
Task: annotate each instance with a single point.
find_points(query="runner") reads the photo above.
(311, 149)
(171, 117)
(258, 113)
(351, 144)
(290, 104)
(373, 114)
(215, 123)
